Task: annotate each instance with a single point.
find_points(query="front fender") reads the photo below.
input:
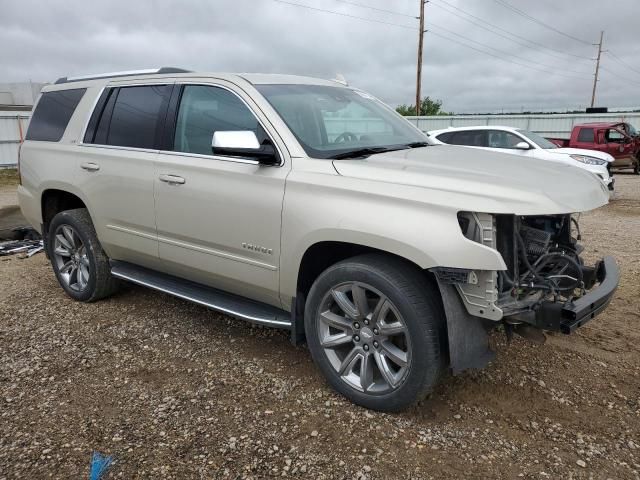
(427, 235)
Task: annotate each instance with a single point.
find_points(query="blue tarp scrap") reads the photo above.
(99, 465)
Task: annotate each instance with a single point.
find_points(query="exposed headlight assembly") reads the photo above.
(588, 160)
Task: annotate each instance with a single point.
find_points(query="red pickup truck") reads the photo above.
(621, 140)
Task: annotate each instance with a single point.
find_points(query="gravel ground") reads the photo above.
(173, 390)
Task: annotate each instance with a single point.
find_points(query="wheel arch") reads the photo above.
(319, 256)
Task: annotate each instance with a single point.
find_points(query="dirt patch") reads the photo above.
(8, 176)
(175, 391)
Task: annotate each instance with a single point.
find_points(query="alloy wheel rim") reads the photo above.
(70, 255)
(364, 337)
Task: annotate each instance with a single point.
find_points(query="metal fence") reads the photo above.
(13, 126)
(549, 125)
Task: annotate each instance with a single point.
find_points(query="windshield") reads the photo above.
(631, 130)
(538, 140)
(332, 121)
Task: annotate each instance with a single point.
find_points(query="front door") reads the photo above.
(218, 218)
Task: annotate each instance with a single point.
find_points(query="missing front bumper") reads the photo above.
(567, 317)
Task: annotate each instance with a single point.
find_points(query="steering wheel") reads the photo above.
(346, 137)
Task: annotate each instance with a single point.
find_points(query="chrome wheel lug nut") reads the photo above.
(366, 348)
(356, 338)
(375, 344)
(356, 325)
(366, 322)
(375, 331)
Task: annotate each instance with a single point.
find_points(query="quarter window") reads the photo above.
(136, 114)
(52, 114)
(586, 135)
(205, 110)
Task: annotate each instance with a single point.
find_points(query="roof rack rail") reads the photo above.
(122, 74)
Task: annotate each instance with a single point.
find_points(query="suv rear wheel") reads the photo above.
(374, 325)
(81, 266)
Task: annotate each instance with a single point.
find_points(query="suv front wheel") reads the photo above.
(81, 266)
(374, 327)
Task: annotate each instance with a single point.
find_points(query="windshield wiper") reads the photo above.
(364, 152)
(416, 144)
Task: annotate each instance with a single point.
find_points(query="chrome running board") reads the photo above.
(224, 302)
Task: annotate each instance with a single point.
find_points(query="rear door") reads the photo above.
(219, 220)
(118, 152)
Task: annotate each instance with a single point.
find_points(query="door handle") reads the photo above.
(171, 179)
(90, 166)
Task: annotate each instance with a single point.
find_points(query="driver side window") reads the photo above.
(205, 110)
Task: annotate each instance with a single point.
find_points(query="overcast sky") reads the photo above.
(45, 40)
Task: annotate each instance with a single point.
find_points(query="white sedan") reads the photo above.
(525, 143)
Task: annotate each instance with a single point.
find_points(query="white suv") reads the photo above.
(525, 144)
(308, 205)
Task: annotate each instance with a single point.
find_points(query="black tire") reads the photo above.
(636, 168)
(418, 303)
(100, 283)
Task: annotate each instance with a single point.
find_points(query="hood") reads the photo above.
(581, 151)
(478, 180)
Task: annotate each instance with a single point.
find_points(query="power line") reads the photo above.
(377, 9)
(345, 15)
(484, 22)
(506, 53)
(501, 58)
(622, 62)
(618, 76)
(540, 22)
(524, 65)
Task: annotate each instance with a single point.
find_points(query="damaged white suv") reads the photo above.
(308, 205)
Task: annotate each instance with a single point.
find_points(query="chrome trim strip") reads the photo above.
(264, 321)
(197, 248)
(117, 147)
(131, 232)
(210, 157)
(217, 253)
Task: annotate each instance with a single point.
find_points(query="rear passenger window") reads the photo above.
(204, 110)
(135, 116)
(52, 114)
(474, 138)
(586, 135)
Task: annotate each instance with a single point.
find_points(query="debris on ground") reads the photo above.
(28, 247)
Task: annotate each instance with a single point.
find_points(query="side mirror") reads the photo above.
(245, 144)
(522, 146)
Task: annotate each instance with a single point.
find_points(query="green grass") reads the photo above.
(8, 176)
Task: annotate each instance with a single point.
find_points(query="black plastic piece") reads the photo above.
(577, 313)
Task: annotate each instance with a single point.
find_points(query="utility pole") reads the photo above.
(595, 77)
(420, 43)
